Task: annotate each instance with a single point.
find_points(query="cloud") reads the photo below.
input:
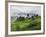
(14, 10)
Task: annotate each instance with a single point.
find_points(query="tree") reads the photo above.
(36, 15)
(27, 15)
(32, 17)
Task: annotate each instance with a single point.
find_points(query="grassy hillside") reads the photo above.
(25, 24)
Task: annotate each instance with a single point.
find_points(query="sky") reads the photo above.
(15, 10)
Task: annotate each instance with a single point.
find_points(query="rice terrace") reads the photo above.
(28, 23)
(25, 18)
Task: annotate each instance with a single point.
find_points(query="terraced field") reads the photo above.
(26, 24)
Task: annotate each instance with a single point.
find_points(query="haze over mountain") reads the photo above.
(24, 10)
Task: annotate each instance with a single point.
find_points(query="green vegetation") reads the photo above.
(25, 24)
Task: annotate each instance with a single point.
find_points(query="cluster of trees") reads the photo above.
(22, 18)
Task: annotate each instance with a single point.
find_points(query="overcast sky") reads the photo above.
(25, 9)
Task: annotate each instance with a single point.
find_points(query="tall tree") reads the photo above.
(27, 15)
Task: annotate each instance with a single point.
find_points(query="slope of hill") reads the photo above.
(23, 24)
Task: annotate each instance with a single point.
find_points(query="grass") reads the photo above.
(26, 24)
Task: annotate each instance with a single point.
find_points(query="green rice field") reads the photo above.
(26, 24)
